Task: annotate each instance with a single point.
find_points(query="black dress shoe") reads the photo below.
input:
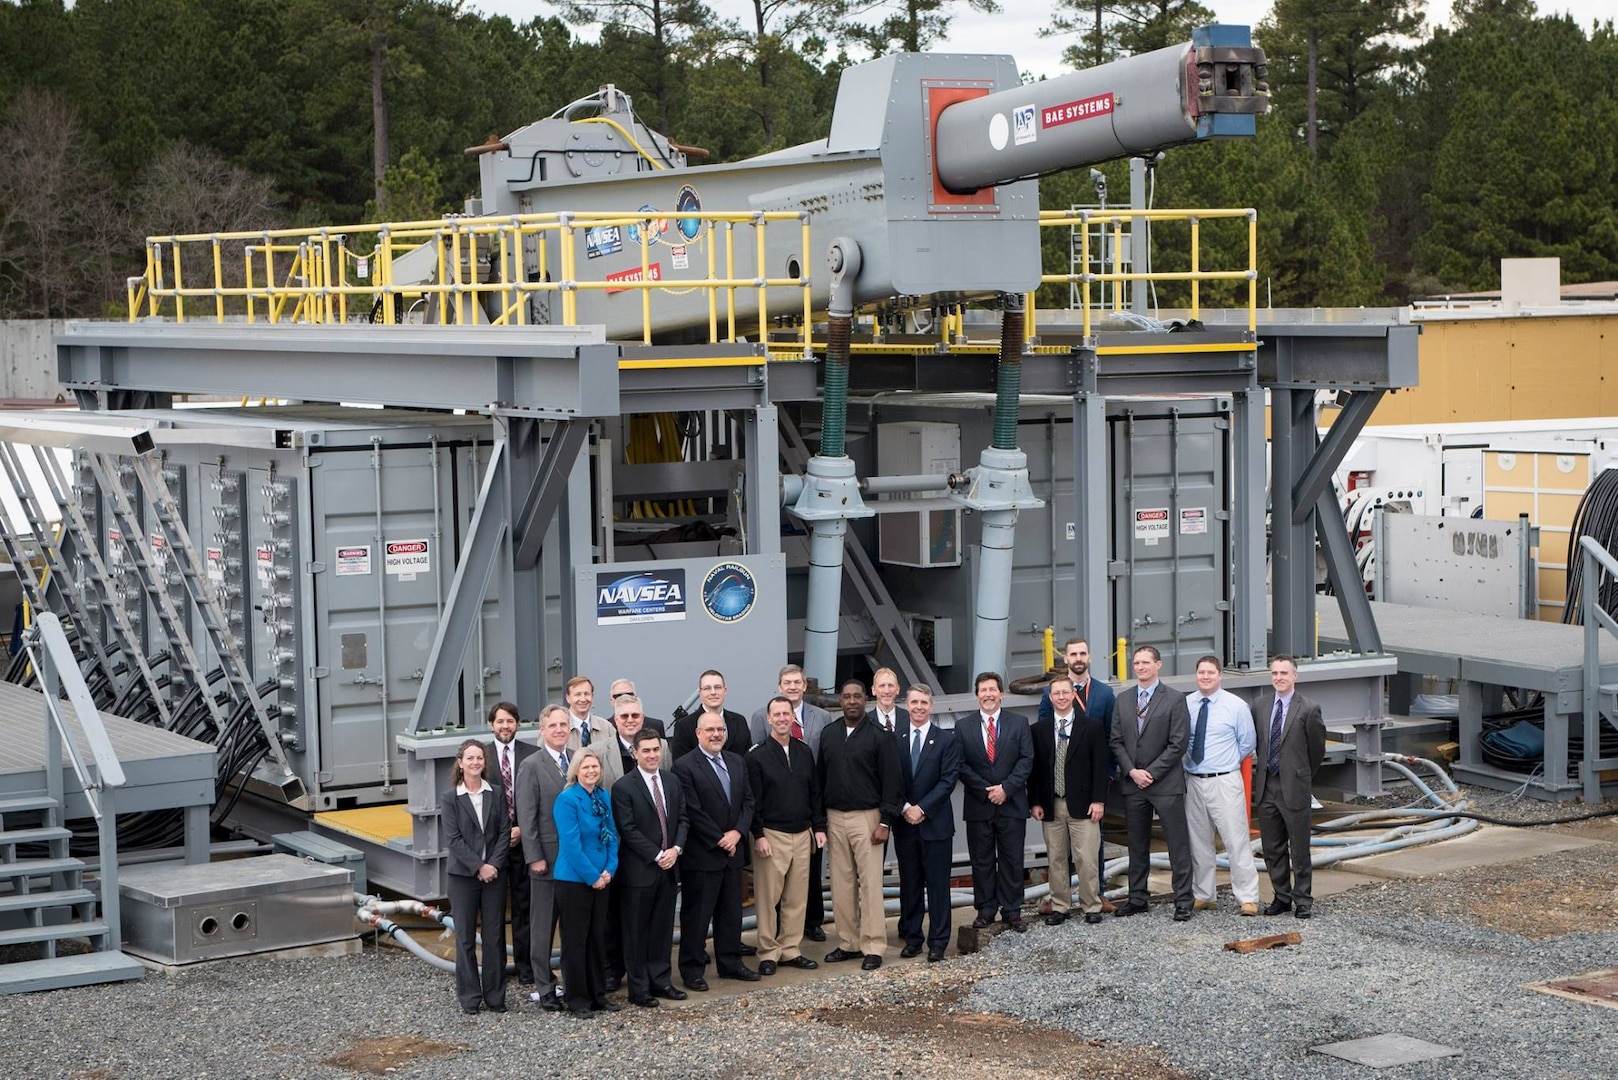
(605, 1006)
(1016, 923)
(814, 933)
(612, 984)
(473, 1011)
(871, 962)
(745, 974)
(800, 962)
(672, 993)
(577, 1013)
(934, 955)
(766, 967)
(525, 980)
(1056, 918)
(496, 1008)
(1126, 910)
(1303, 913)
(983, 922)
(910, 950)
(839, 954)
(1092, 917)
(1182, 914)
(1277, 907)
(697, 984)
(749, 950)
(644, 1002)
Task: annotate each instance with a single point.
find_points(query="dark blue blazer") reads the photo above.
(1013, 763)
(708, 813)
(1098, 706)
(931, 783)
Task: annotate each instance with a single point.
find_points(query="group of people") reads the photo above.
(600, 826)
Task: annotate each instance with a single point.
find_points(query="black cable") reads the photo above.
(1597, 518)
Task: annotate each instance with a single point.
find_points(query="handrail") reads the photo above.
(59, 663)
(307, 275)
(1596, 618)
(1085, 220)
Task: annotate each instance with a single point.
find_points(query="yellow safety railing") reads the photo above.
(1117, 220)
(480, 270)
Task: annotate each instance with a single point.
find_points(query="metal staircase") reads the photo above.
(43, 895)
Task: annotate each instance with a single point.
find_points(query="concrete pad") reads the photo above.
(1383, 1051)
(1488, 845)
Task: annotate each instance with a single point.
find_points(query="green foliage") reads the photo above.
(1110, 29)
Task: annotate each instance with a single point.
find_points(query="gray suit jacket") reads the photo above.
(539, 782)
(1303, 748)
(612, 762)
(1159, 747)
(814, 721)
(469, 844)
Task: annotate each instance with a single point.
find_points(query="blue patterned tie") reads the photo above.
(1199, 739)
(724, 774)
(915, 749)
(1275, 737)
(1143, 699)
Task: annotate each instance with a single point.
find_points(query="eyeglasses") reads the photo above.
(631, 716)
(622, 694)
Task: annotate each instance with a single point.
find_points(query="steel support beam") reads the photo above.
(1093, 508)
(479, 559)
(1248, 616)
(1344, 575)
(546, 490)
(1317, 474)
(1292, 546)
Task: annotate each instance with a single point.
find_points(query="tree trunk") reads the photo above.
(1313, 122)
(379, 109)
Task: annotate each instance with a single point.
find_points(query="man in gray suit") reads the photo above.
(1150, 731)
(808, 720)
(618, 752)
(540, 779)
(1291, 746)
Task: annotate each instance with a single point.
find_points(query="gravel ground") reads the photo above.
(1442, 959)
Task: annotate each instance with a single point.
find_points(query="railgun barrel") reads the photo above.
(1213, 86)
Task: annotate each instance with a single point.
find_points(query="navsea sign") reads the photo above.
(640, 597)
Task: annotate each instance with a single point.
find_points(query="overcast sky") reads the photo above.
(1015, 29)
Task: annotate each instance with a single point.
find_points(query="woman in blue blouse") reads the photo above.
(586, 859)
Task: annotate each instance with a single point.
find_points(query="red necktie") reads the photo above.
(988, 744)
(797, 728)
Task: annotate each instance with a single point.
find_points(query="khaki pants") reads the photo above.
(1080, 837)
(782, 878)
(856, 880)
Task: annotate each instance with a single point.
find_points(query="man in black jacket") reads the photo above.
(711, 689)
(1067, 792)
(789, 821)
(649, 808)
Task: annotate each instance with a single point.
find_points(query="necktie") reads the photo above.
(724, 774)
(561, 759)
(797, 727)
(1275, 737)
(1199, 738)
(915, 748)
(662, 811)
(584, 734)
(1142, 699)
(887, 722)
(1061, 760)
(505, 775)
(988, 741)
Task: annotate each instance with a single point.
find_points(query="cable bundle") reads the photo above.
(1597, 518)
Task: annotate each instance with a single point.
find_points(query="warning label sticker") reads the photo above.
(1193, 520)
(115, 551)
(215, 560)
(265, 562)
(679, 257)
(1072, 111)
(407, 558)
(654, 272)
(160, 553)
(1152, 525)
(354, 561)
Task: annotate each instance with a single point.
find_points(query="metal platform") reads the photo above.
(1487, 655)
(165, 771)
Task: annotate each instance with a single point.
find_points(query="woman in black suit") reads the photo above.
(472, 814)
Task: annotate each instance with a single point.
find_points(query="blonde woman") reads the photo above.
(586, 860)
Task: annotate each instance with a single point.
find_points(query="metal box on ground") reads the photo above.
(182, 914)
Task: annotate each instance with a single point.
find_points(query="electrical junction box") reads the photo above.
(929, 537)
(183, 914)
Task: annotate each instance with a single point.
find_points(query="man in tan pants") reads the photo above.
(864, 793)
(789, 820)
(1067, 793)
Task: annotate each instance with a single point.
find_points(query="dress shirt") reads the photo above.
(556, 759)
(479, 797)
(1230, 734)
(888, 721)
(654, 784)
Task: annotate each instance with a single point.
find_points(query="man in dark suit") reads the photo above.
(1068, 793)
(505, 755)
(997, 756)
(886, 713)
(540, 779)
(808, 721)
(1095, 701)
(719, 806)
(1150, 731)
(649, 809)
(930, 762)
(711, 689)
(1291, 746)
(617, 759)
